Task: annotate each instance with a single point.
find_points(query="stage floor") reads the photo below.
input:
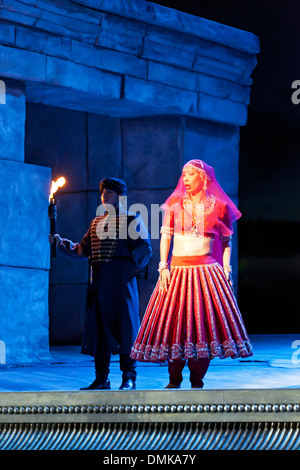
(275, 364)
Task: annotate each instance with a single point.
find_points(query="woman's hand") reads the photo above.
(165, 278)
(228, 273)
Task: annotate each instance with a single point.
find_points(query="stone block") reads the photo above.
(87, 54)
(12, 121)
(24, 229)
(109, 60)
(66, 309)
(233, 57)
(15, 16)
(24, 314)
(71, 99)
(153, 94)
(151, 150)
(221, 110)
(69, 27)
(7, 33)
(227, 71)
(86, 79)
(44, 42)
(123, 63)
(61, 143)
(176, 42)
(104, 149)
(82, 101)
(217, 145)
(173, 76)
(222, 88)
(121, 34)
(69, 10)
(224, 58)
(27, 9)
(22, 65)
(157, 49)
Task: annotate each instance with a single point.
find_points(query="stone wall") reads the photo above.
(147, 152)
(24, 252)
(126, 88)
(127, 59)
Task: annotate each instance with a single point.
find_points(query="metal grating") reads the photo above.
(150, 436)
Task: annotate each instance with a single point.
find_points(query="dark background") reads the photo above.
(269, 258)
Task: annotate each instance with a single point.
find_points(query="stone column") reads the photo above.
(24, 247)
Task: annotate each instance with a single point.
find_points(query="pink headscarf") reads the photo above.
(213, 188)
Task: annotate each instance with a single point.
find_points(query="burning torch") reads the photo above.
(52, 212)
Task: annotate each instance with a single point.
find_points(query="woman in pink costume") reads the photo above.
(192, 314)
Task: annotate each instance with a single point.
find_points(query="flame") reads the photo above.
(55, 185)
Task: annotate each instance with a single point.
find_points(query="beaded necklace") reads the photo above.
(198, 210)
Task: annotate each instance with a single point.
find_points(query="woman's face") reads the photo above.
(192, 181)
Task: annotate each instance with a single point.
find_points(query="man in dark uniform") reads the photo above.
(112, 304)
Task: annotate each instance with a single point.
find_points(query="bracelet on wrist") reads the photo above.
(228, 267)
(162, 265)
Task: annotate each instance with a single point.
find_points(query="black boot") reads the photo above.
(128, 381)
(101, 382)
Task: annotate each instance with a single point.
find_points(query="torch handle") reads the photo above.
(53, 231)
(52, 213)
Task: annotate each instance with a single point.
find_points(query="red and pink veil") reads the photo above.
(213, 188)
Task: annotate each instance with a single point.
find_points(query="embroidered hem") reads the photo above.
(197, 317)
(163, 353)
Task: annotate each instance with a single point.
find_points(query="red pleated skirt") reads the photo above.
(197, 317)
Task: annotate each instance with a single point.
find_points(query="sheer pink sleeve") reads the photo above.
(167, 227)
(226, 227)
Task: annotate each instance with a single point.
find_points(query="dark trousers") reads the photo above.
(102, 362)
(103, 357)
(198, 369)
